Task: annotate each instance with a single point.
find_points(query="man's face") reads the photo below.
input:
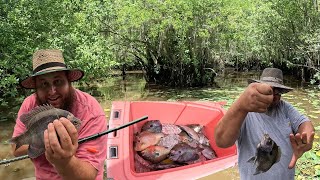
(277, 92)
(53, 88)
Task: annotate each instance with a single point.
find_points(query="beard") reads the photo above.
(68, 100)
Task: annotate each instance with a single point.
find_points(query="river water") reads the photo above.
(305, 98)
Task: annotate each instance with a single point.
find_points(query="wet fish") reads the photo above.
(170, 129)
(140, 164)
(208, 152)
(196, 127)
(154, 126)
(202, 158)
(194, 135)
(184, 137)
(36, 122)
(169, 141)
(155, 154)
(146, 139)
(183, 153)
(203, 139)
(268, 153)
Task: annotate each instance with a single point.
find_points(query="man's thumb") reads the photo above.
(264, 89)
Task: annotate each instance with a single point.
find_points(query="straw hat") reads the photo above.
(273, 77)
(46, 61)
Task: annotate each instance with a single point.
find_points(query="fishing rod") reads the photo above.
(82, 140)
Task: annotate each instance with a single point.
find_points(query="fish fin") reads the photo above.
(25, 118)
(18, 140)
(34, 151)
(257, 172)
(252, 159)
(36, 147)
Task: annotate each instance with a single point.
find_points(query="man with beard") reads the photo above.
(63, 157)
(259, 110)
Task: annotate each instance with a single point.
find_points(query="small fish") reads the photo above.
(203, 139)
(154, 126)
(183, 153)
(184, 137)
(202, 158)
(208, 152)
(169, 141)
(196, 127)
(146, 139)
(170, 129)
(268, 153)
(140, 164)
(36, 122)
(155, 154)
(194, 135)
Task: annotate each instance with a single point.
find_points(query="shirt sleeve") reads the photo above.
(93, 151)
(26, 106)
(295, 117)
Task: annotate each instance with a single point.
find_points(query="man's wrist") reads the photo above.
(64, 166)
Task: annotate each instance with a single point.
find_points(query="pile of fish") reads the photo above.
(162, 146)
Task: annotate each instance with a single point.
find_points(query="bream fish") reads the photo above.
(36, 122)
(268, 153)
(154, 126)
(146, 139)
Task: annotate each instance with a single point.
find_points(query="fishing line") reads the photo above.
(82, 140)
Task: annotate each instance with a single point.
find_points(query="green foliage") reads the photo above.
(74, 27)
(177, 42)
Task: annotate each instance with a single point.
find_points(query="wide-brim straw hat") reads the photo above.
(273, 77)
(47, 61)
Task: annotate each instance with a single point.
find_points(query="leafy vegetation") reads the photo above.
(177, 43)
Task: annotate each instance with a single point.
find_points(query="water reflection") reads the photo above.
(134, 88)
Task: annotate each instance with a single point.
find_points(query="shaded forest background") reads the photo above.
(177, 43)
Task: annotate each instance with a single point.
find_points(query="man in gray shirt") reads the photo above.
(259, 110)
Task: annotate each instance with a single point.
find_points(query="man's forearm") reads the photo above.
(228, 128)
(76, 169)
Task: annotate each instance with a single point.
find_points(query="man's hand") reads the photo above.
(256, 98)
(61, 142)
(300, 144)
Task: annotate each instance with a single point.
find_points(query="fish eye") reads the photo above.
(157, 154)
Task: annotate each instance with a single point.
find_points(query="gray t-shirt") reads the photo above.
(278, 123)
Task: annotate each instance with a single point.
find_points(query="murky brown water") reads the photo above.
(306, 99)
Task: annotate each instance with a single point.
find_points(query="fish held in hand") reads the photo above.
(36, 122)
(268, 153)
